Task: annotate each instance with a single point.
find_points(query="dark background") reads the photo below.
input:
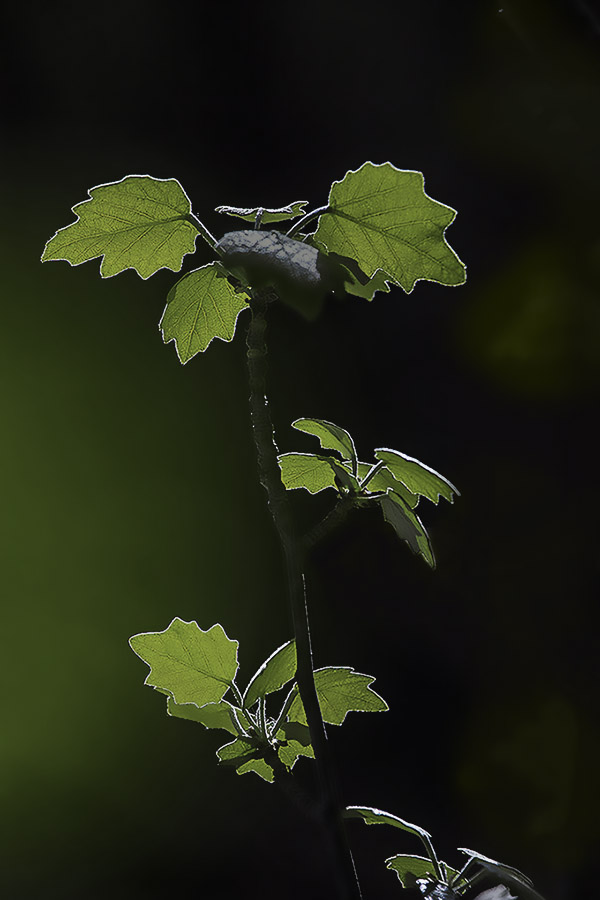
(129, 490)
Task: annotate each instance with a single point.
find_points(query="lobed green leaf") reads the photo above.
(276, 671)
(381, 217)
(416, 476)
(340, 690)
(306, 470)
(203, 305)
(191, 665)
(139, 222)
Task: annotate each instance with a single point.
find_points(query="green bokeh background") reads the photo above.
(129, 488)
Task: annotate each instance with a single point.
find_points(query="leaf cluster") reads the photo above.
(394, 482)
(197, 671)
(378, 228)
(435, 878)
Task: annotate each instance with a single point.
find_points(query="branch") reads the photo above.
(279, 507)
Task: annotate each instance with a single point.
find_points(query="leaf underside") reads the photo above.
(381, 217)
(280, 214)
(139, 223)
(330, 436)
(274, 673)
(201, 306)
(407, 526)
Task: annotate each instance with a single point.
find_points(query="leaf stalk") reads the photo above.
(306, 219)
(202, 230)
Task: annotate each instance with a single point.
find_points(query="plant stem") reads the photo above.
(202, 230)
(270, 478)
(306, 219)
(323, 528)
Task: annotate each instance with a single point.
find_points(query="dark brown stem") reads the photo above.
(270, 478)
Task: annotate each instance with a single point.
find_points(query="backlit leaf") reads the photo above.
(331, 437)
(139, 223)
(200, 307)
(340, 691)
(381, 217)
(306, 470)
(281, 214)
(295, 739)
(192, 665)
(417, 477)
(212, 715)
(373, 816)
(383, 481)
(276, 671)
(409, 868)
(407, 526)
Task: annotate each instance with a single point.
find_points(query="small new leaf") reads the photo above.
(331, 437)
(139, 223)
(276, 671)
(202, 306)
(407, 526)
(381, 217)
(191, 665)
(281, 214)
(340, 691)
(416, 476)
